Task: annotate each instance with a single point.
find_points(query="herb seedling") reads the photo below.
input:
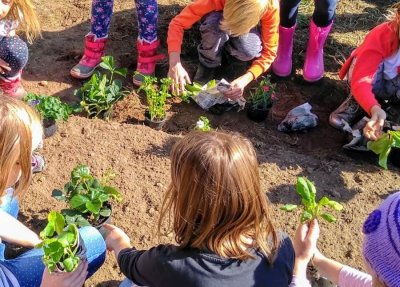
(50, 108)
(262, 97)
(101, 92)
(311, 208)
(60, 244)
(156, 97)
(203, 124)
(384, 145)
(87, 196)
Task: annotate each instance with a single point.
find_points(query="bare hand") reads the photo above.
(179, 77)
(305, 241)
(75, 278)
(373, 129)
(238, 85)
(116, 239)
(4, 67)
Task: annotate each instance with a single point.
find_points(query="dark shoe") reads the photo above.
(348, 112)
(204, 74)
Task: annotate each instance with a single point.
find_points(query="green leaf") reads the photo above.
(107, 63)
(57, 220)
(303, 190)
(105, 212)
(94, 206)
(78, 201)
(80, 172)
(328, 217)
(289, 207)
(58, 194)
(306, 216)
(121, 71)
(48, 231)
(324, 201)
(383, 157)
(335, 205)
(113, 192)
(70, 263)
(380, 144)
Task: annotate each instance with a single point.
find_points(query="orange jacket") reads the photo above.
(199, 8)
(379, 44)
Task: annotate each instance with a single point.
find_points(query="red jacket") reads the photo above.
(379, 44)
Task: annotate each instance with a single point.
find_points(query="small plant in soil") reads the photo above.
(156, 97)
(203, 124)
(311, 208)
(60, 244)
(88, 197)
(101, 92)
(383, 146)
(260, 100)
(50, 108)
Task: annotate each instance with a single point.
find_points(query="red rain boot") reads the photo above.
(313, 69)
(94, 50)
(282, 66)
(12, 87)
(147, 58)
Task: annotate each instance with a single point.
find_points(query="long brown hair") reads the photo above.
(24, 12)
(19, 128)
(215, 197)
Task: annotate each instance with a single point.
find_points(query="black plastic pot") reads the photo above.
(104, 220)
(157, 125)
(49, 127)
(258, 114)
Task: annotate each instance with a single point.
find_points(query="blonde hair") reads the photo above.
(393, 17)
(215, 197)
(24, 12)
(19, 126)
(240, 16)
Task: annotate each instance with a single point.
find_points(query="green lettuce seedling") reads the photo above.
(60, 244)
(203, 124)
(384, 145)
(311, 208)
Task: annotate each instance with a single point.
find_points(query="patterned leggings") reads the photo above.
(13, 51)
(147, 14)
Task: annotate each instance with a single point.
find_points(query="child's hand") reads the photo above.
(238, 85)
(65, 279)
(116, 239)
(373, 129)
(178, 74)
(4, 67)
(305, 241)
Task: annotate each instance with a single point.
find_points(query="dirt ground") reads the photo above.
(139, 155)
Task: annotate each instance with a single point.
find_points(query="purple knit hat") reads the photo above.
(382, 241)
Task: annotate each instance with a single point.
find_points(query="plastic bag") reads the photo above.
(298, 119)
(211, 96)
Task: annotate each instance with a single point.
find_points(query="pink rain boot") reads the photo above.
(282, 66)
(314, 63)
(94, 50)
(147, 58)
(12, 87)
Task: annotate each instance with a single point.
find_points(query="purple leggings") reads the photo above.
(147, 14)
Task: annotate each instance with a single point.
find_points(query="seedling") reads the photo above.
(50, 108)
(262, 97)
(311, 208)
(88, 197)
(203, 124)
(156, 96)
(101, 92)
(384, 145)
(60, 244)
(192, 90)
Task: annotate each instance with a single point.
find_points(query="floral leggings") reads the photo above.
(147, 14)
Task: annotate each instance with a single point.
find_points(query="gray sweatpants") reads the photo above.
(214, 41)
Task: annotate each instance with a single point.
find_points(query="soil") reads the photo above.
(139, 154)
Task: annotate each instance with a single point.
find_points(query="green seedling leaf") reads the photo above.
(121, 71)
(328, 217)
(335, 205)
(57, 220)
(78, 201)
(94, 206)
(289, 207)
(105, 212)
(71, 263)
(303, 190)
(113, 192)
(306, 216)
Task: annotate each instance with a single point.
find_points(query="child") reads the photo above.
(381, 250)
(13, 50)
(321, 24)
(20, 130)
(95, 42)
(245, 29)
(221, 221)
(372, 71)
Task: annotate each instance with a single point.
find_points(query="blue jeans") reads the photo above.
(323, 13)
(28, 268)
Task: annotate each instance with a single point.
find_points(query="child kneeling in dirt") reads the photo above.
(381, 251)
(13, 50)
(245, 29)
(20, 131)
(373, 74)
(222, 222)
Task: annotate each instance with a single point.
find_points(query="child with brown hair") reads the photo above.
(372, 71)
(247, 30)
(221, 220)
(13, 50)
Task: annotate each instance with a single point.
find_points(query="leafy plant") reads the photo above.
(50, 108)
(384, 145)
(264, 93)
(203, 124)
(101, 92)
(60, 244)
(156, 96)
(87, 196)
(192, 90)
(311, 208)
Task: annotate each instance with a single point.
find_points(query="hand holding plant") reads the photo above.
(384, 145)
(311, 208)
